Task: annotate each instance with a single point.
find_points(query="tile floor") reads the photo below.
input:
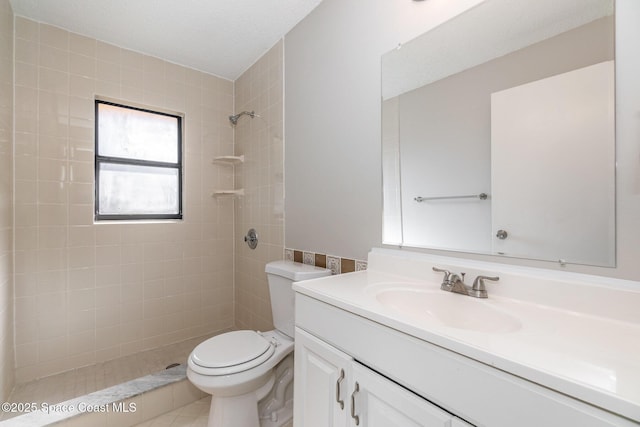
(193, 415)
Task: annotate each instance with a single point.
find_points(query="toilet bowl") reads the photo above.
(249, 374)
(237, 369)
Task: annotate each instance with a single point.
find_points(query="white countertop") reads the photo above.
(592, 358)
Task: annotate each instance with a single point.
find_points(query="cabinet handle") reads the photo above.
(356, 418)
(340, 402)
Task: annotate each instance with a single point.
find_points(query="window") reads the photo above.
(138, 163)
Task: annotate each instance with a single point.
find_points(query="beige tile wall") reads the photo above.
(6, 199)
(88, 292)
(261, 175)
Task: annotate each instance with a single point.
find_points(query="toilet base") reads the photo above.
(282, 416)
(238, 410)
(276, 409)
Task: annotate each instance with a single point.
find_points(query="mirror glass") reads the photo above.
(498, 133)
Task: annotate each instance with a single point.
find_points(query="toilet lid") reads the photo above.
(231, 349)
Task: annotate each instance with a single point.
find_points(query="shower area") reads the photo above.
(96, 305)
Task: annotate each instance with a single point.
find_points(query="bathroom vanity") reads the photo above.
(387, 347)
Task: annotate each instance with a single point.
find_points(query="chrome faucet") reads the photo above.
(454, 283)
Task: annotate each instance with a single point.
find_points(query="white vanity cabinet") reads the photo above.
(406, 381)
(321, 376)
(530, 355)
(332, 389)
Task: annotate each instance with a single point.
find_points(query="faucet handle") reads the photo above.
(479, 289)
(447, 273)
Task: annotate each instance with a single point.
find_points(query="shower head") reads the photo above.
(234, 119)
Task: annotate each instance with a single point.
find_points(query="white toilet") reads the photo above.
(250, 374)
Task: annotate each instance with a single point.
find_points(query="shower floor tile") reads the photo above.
(78, 382)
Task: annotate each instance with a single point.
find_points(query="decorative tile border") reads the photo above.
(361, 265)
(336, 264)
(309, 258)
(288, 254)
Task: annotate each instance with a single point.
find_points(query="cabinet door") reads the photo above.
(321, 376)
(379, 402)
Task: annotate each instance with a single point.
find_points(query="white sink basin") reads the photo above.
(451, 310)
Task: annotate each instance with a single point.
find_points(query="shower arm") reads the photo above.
(234, 119)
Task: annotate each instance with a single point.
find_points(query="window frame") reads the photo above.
(99, 159)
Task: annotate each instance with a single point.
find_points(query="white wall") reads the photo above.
(332, 128)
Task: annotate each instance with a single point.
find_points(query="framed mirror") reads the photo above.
(498, 133)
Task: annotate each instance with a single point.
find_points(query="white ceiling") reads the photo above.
(221, 37)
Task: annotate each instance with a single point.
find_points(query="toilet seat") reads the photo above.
(231, 352)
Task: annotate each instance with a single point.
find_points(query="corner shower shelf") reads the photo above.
(234, 160)
(233, 193)
(229, 160)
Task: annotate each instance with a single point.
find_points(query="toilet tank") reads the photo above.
(281, 275)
